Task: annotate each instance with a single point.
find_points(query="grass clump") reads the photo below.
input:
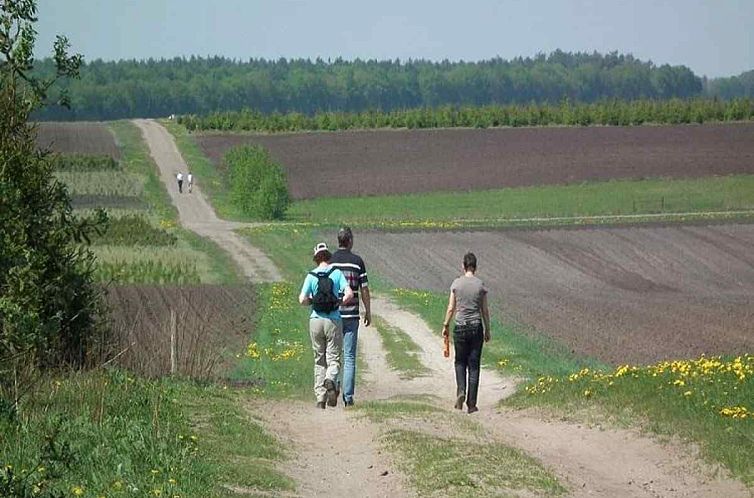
(402, 352)
(707, 400)
(134, 230)
(85, 162)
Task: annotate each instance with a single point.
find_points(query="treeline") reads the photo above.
(615, 112)
(732, 87)
(154, 88)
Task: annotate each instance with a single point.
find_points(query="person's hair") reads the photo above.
(469, 261)
(322, 256)
(345, 236)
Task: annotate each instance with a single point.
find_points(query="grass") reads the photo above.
(102, 183)
(401, 350)
(278, 359)
(707, 401)
(447, 454)
(213, 183)
(618, 197)
(106, 433)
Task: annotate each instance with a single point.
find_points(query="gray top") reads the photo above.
(468, 292)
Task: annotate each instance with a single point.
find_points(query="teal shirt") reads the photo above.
(339, 287)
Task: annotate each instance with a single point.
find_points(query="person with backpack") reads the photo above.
(325, 288)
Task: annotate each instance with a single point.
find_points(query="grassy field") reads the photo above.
(401, 350)
(618, 197)
(108, 433)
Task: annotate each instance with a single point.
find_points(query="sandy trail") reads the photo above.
(194, 211)
(337, 453)
(592, 461)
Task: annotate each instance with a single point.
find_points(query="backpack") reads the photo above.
(324, 300)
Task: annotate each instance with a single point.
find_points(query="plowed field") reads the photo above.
(78, 138)
(399, 162)
(213, 324)
(618, 294)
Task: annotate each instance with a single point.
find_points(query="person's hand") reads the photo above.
(445, 330)
(487, 336)
(367, 318)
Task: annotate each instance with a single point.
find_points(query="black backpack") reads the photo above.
(324, 300)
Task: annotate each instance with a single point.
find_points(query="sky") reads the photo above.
(712, 37)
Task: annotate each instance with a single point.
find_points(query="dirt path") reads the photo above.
(338, 454)
(592, 461)
(194, 211)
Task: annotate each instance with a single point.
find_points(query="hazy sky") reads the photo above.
(712, 37)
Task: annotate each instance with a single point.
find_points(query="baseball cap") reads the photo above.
(319, 248)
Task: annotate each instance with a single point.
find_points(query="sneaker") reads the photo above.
(473, 409)
(332, 393)
(459, 401)
(321, 404)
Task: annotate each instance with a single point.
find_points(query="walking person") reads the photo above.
(355, 272)
(179, 177)
(190, 180)
(468, 302)
(325, 289)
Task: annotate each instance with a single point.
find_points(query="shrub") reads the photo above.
(258, 186)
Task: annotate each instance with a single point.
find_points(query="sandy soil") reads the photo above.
(638, 294)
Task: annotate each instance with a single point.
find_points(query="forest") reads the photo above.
(196, 85)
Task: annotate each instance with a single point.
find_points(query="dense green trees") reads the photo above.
(110, 90)
(735, 86)
(48, 305)
(257, 183)
(613, 112)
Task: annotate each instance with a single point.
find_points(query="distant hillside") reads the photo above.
(124, 89)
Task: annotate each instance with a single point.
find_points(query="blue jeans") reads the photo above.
(350, 339)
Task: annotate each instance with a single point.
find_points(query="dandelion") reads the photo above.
(77, 490)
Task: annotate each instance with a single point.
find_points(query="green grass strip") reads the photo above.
(706, 400)
(136, 159)
(402, 352)
(618, 197)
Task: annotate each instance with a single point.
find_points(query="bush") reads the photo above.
(258, 186)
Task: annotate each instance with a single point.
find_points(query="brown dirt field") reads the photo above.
(635, 295)
(397, 162)
(77, 138)
(213, 324)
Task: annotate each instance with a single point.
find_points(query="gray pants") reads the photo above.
(327, 343)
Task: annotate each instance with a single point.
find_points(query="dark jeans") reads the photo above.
(468, 342)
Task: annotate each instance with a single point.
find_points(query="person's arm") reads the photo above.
(449, 312)
(367, 300)
(486, 318)
(345, 287)
(305, 297)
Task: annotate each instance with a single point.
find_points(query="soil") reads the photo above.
(77, 138)
(384, 162)
(620, 295)
(213, 323)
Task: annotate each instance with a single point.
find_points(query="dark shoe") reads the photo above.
(473, 409)
(332, 393)
(321, 404)
(348, 403)
(459, 401)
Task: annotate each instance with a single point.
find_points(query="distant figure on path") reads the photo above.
(355, 272)
(468, 302)
(179, 177)
(190, 179)
(325, 289)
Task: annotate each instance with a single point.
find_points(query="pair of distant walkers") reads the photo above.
(332, 289)
(189, 180)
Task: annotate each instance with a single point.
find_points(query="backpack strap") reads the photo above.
(322, 274)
